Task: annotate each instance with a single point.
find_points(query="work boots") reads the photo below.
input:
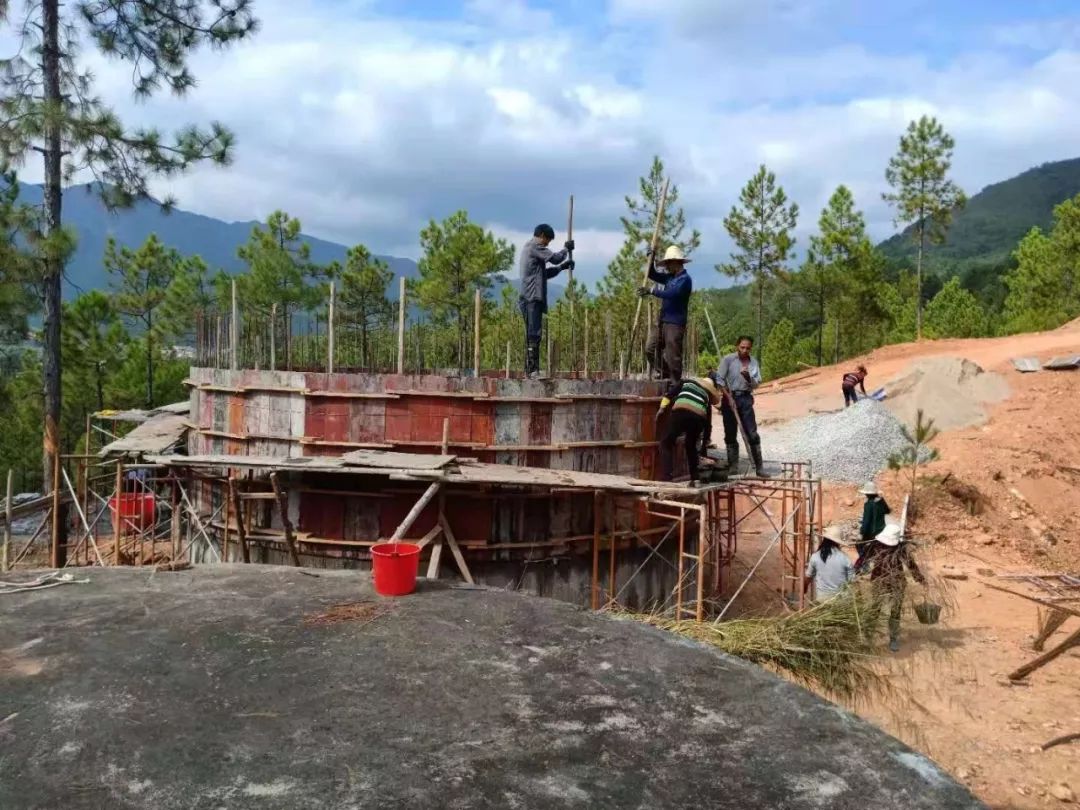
(532, 360)
(759, 464)
(732, 458)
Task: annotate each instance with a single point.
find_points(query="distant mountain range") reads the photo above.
(987, 230)
(191, 234)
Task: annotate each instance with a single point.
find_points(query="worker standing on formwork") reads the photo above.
(873, 521)
(664, 350)
(691, 403)
(740, 374)
(891, 561)
(852, 379)
(535, 272)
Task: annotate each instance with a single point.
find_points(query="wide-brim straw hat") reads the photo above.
(890, 535)
(835, 533)
(710, 385)
(674, 254)
(869, 488)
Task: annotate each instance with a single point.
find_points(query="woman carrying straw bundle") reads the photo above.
(890, 562)
(829, 569)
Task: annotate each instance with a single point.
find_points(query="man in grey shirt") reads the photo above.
(740, 374)
(535, 272)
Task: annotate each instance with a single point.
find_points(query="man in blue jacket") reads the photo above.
(665, 346)
(538, 263)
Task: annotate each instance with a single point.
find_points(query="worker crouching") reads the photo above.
(850, 381)
(691, 403)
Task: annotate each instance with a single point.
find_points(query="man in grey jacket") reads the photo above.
(535, 272)
(740, 374)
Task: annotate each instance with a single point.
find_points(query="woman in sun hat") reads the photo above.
(691, 403)
(891, 561)
(873, 520)
(664, 350)
(829, 568)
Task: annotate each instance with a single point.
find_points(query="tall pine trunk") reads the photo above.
(53, 269)
(918, 280)
(821, 324)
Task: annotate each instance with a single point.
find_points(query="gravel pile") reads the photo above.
(851, 445)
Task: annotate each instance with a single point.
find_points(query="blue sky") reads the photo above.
(365, 118)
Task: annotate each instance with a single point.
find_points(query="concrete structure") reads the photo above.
(211, 688)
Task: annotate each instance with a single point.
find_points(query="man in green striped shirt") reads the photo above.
(691, 402)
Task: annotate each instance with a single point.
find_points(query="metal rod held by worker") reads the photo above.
(570, 283)
(476, 334)
(652, 254)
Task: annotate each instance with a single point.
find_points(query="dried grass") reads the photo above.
(362, 611)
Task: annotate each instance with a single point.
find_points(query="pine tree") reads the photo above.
(363, 300)
(761, 227)
(17, 270)
(922, 191)
(618, 287)
(48, 107)
(831, 264)
(915, 453)
(281, 280)
(1044, 287)
(955, 313)
(459, 258)
(95, 345)
(141, 280)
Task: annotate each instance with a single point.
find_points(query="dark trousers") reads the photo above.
(744, 404)
(688, 425)
(890, 591)
(850, 397)
(533, 313)
(664, 350)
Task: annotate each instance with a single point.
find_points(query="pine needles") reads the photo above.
(828, 647)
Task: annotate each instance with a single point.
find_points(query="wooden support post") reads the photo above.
(476, 334)
(273, 337)
(283, 505)
(231, 495)
(234, 332)
(7, 524)
(55, 544)
(174, 515)
(401, 326)
(414, 513)
(455, 550)
(1073, 640)
(585, 372)
(445, 435)
(611, 549)
(241, 529)
(330, 333)
(116, 511)
(702, 552)
(594, 591)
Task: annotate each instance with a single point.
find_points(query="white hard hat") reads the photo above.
(869, 488)
(890, 535)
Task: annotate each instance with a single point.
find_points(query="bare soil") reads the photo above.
(1004, 497)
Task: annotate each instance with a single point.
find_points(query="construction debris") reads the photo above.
(1026, 365)
(1064, 363)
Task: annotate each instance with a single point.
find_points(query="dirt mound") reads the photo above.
(950, 390)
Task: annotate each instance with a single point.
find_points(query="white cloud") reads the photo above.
(365, 127)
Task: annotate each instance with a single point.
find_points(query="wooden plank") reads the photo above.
(1035, 599)
(456, 550)
(427, 538)
(348, 395)
(435, 559)
(241, 529)
(461, 394)
(283, 505)
(420, 461)
(258, 496)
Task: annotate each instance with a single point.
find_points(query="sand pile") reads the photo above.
(954, 392)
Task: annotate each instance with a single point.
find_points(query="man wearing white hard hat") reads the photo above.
(664, 349)
(891, 561)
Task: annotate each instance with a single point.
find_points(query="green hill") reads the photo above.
(983, 236)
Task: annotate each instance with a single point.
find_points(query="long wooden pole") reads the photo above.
(330, 333)
(273, 337)
(476, 334)
(234, 331)
(585, 371)
(652, 254)
(116, 514)
(283, 504)
(401, 326)
(414, 513)
(241, 529)
(570, 285)
(7, 524)
(55, 545)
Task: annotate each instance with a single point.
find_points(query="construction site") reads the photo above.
(514, 488)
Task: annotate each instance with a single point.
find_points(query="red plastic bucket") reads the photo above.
(136, 511)
(394, 567)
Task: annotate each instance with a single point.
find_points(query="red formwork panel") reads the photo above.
(322, 515)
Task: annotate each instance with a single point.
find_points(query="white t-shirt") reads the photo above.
(830, 575)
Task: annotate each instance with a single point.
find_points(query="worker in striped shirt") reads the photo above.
(851, 379)
(691, 402)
